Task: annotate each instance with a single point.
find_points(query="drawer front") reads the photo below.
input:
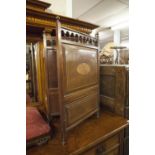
(80, 108)
(108, 147)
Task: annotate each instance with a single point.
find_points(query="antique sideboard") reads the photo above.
(66, 65)
(96, 136)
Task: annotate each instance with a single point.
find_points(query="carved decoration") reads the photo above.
(36, 13)
(49, 23)
(78, 37)
(33, 20)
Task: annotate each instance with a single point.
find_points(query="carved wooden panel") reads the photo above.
(80, 64)
(82, 38)
(50, 23)
(113, 88)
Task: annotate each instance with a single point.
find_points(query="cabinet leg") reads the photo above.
(64, 139)
(63, 142)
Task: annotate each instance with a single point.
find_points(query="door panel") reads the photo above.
(113, 88)
(80, 108)
(80, 64)
(80, 82)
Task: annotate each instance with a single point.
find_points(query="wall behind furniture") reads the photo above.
(62, 7)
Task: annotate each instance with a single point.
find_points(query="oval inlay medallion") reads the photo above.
(83, 68)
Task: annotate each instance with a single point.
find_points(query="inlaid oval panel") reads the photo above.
(83, 68)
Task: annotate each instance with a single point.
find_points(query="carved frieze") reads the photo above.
(49, 23)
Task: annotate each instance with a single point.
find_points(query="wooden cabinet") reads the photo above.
(68, 73)
(114, 88)
(80, 83)
(114, 94)
(68, 85)
(72, 76)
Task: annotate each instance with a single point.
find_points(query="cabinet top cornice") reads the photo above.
(37, 9)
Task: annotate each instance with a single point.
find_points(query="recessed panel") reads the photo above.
(107, 83)
(81, 108)
(52, 69)
(80, 65)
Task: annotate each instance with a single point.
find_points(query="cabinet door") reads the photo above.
(80, 82)
(113, 88)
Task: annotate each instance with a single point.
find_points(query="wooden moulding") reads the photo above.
(43, 22)
(77, 37)
(36, 16)
(71, 37)
(37, 5)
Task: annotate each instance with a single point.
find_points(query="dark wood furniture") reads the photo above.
(67, 66)
(114, 94)
(114, 88)
(67, 74)
(95, 136)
